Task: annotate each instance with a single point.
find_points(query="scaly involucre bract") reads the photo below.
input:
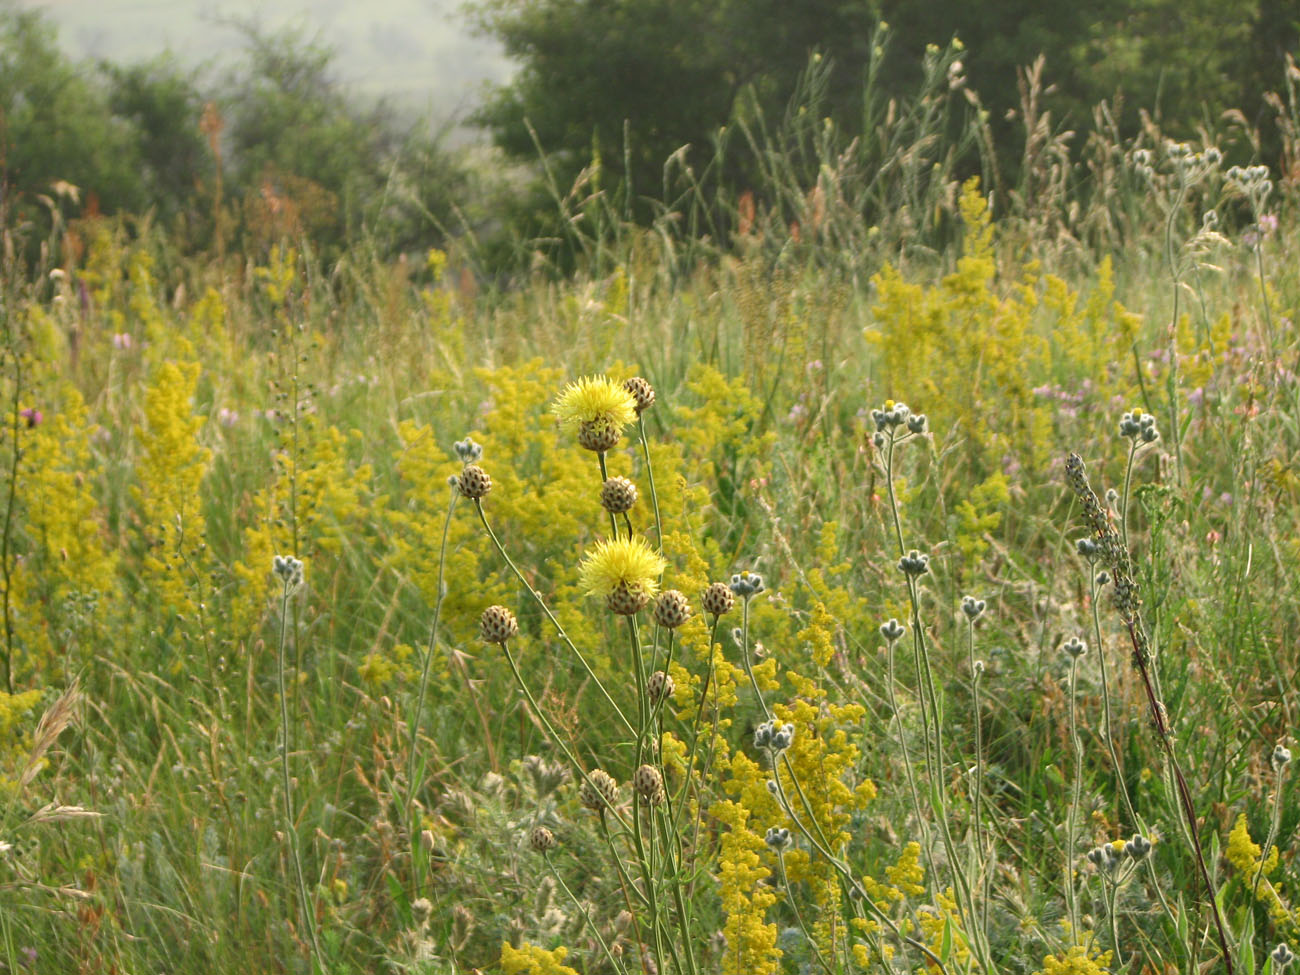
(594, 398)
(629, 562)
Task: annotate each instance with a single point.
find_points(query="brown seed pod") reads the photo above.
(600, 434)
(659, 686)
(649, 784)
(626, 600)
(498, 624)
(474, 482)
(671, 609)
(617, 495)
(599, 791)
(541, 839)
(718, 599)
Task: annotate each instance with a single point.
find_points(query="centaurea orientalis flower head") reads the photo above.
(672, 609)
(718, 599)
(596, 409)
(468, 451)
(625, 571)
(497, 625)
(1280, 759)
(746, 584)
(288, 570)
(1282, 956)
(541, 839)
(474, 482)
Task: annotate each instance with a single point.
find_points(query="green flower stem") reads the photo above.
(614, 963)
(650, 477)
(604, 476)
(290, 829)
(983, 846)
(744, 650)
(932, 723)
(1272, 833)
(1076, 788)
(908, 771)
(846, 874)
(428, 659)
(672, 846)
(625, 879)
(798, 917)
(478, 506)
(546, 722)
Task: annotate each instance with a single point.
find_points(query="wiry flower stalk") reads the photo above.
(1128, 604)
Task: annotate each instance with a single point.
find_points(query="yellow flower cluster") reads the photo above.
(1077, 960)
(531, 960)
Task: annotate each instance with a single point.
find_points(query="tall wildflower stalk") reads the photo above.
(1128, 605)
(290, 573)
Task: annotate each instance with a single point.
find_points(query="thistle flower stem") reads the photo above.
(744, 650)
(683, 915)
(1272, 834)
(604, 476)
(290, 829)
(846, 874)
(932, 725)
(650, 477)
(982, 847)
(624, 877)
(1124, 498)
(411, 785)
(586, 917)
(1076, 788)
(798, 917)
(15, 421)
(902, 744)
(478, 506)
(1171, 385)
(1263, 287)
(541, 716)
(1184, 793)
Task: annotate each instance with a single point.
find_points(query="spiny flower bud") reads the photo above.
(916, 423)
(1074, 648)
(617, 495)
(914, 564)
(1087, 547)
(1137, 847)
(641, 391)
(659, 686)
(892, 630)
(599, 791)
(497, 625)
(625, 600)
(746, 584)
(474, 482)
(972, 607)
(1282, 956)
(599, 435)
(541, 839)
(649, 784)
(288, 570)
(1281, 758)
(468, 451)
(671, 609)
(777, 838)
(717, 599)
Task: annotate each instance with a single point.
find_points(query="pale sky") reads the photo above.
(418, 51)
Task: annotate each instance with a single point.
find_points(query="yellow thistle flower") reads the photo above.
(594, 399)
(625, 571)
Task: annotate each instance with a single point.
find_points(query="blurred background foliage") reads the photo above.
(645, 105)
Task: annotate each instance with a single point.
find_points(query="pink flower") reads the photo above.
(122, 340)
(32, 415)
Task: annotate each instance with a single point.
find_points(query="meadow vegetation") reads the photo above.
(900, 580)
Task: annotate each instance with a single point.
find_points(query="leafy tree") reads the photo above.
(56, 125)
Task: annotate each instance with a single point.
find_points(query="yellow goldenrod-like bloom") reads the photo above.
(625, 571)
(596, 409)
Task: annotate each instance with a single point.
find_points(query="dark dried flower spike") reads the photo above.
(641, 391)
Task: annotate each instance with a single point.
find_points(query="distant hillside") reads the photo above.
(416, 52)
